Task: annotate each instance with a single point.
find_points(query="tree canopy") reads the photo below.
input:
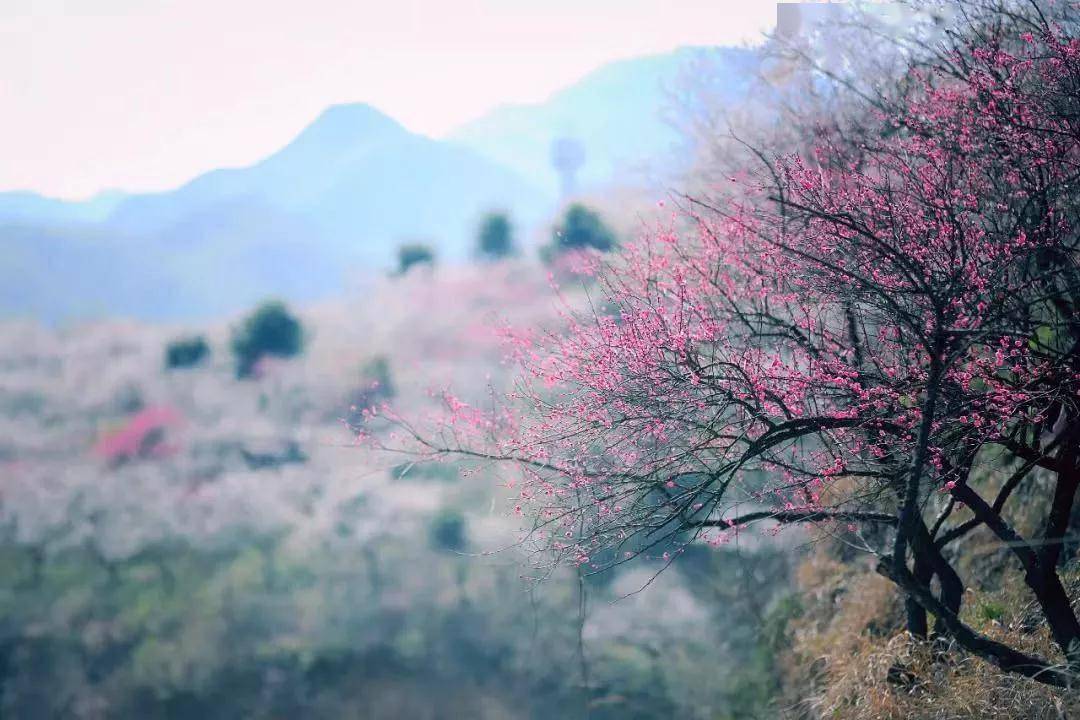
(495, 239)
(270, 330)
(878, 334)
(580, 229)
(413, 254)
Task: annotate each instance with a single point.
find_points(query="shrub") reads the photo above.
(580, 229)
(377, 378)
(376, 385)
(495, 240)
(414, 254)
(186, 352)
(270, 330)
(448, 531)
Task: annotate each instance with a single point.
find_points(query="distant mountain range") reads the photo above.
(337, 199)
(620, 114)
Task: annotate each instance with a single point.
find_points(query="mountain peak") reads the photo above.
(346, 122)
(336, 135)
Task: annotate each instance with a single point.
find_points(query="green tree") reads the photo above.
(448, 531)
(186, 352)
(495, 240)
(377, 378)
(582, 229)
(270, 330)
(412, 254)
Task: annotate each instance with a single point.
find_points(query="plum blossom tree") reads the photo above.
(858, 337)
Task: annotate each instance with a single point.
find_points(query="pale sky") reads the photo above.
(145, 94)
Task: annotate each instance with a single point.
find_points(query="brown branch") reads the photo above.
(797, 516)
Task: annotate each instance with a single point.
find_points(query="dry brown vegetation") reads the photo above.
(852, 659)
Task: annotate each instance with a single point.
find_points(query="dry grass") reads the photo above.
(853, 660)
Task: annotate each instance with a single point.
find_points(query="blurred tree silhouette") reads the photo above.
(376, 385)
(412, 254)
(377, 378)
(448, 530)
(186, 352)
(496, 237)
(580, 229)
(270, 330)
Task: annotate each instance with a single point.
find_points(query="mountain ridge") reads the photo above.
(337, 198)
(616, 112)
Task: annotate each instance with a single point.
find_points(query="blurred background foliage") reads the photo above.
(201, 545)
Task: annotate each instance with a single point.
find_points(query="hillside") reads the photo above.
(245, 558)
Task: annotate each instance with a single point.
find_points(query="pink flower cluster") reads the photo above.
(779, 349)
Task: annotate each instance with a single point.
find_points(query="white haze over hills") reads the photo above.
(619, 113)
(336, 201)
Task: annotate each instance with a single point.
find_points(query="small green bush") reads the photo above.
(448, 531)
(413, 254)
(990, 611)
(270, 330)
(580, 229)
(186, 352)
(495, 239)
(376, 386)
(377, 378)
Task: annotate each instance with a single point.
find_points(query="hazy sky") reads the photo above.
(144, 94)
